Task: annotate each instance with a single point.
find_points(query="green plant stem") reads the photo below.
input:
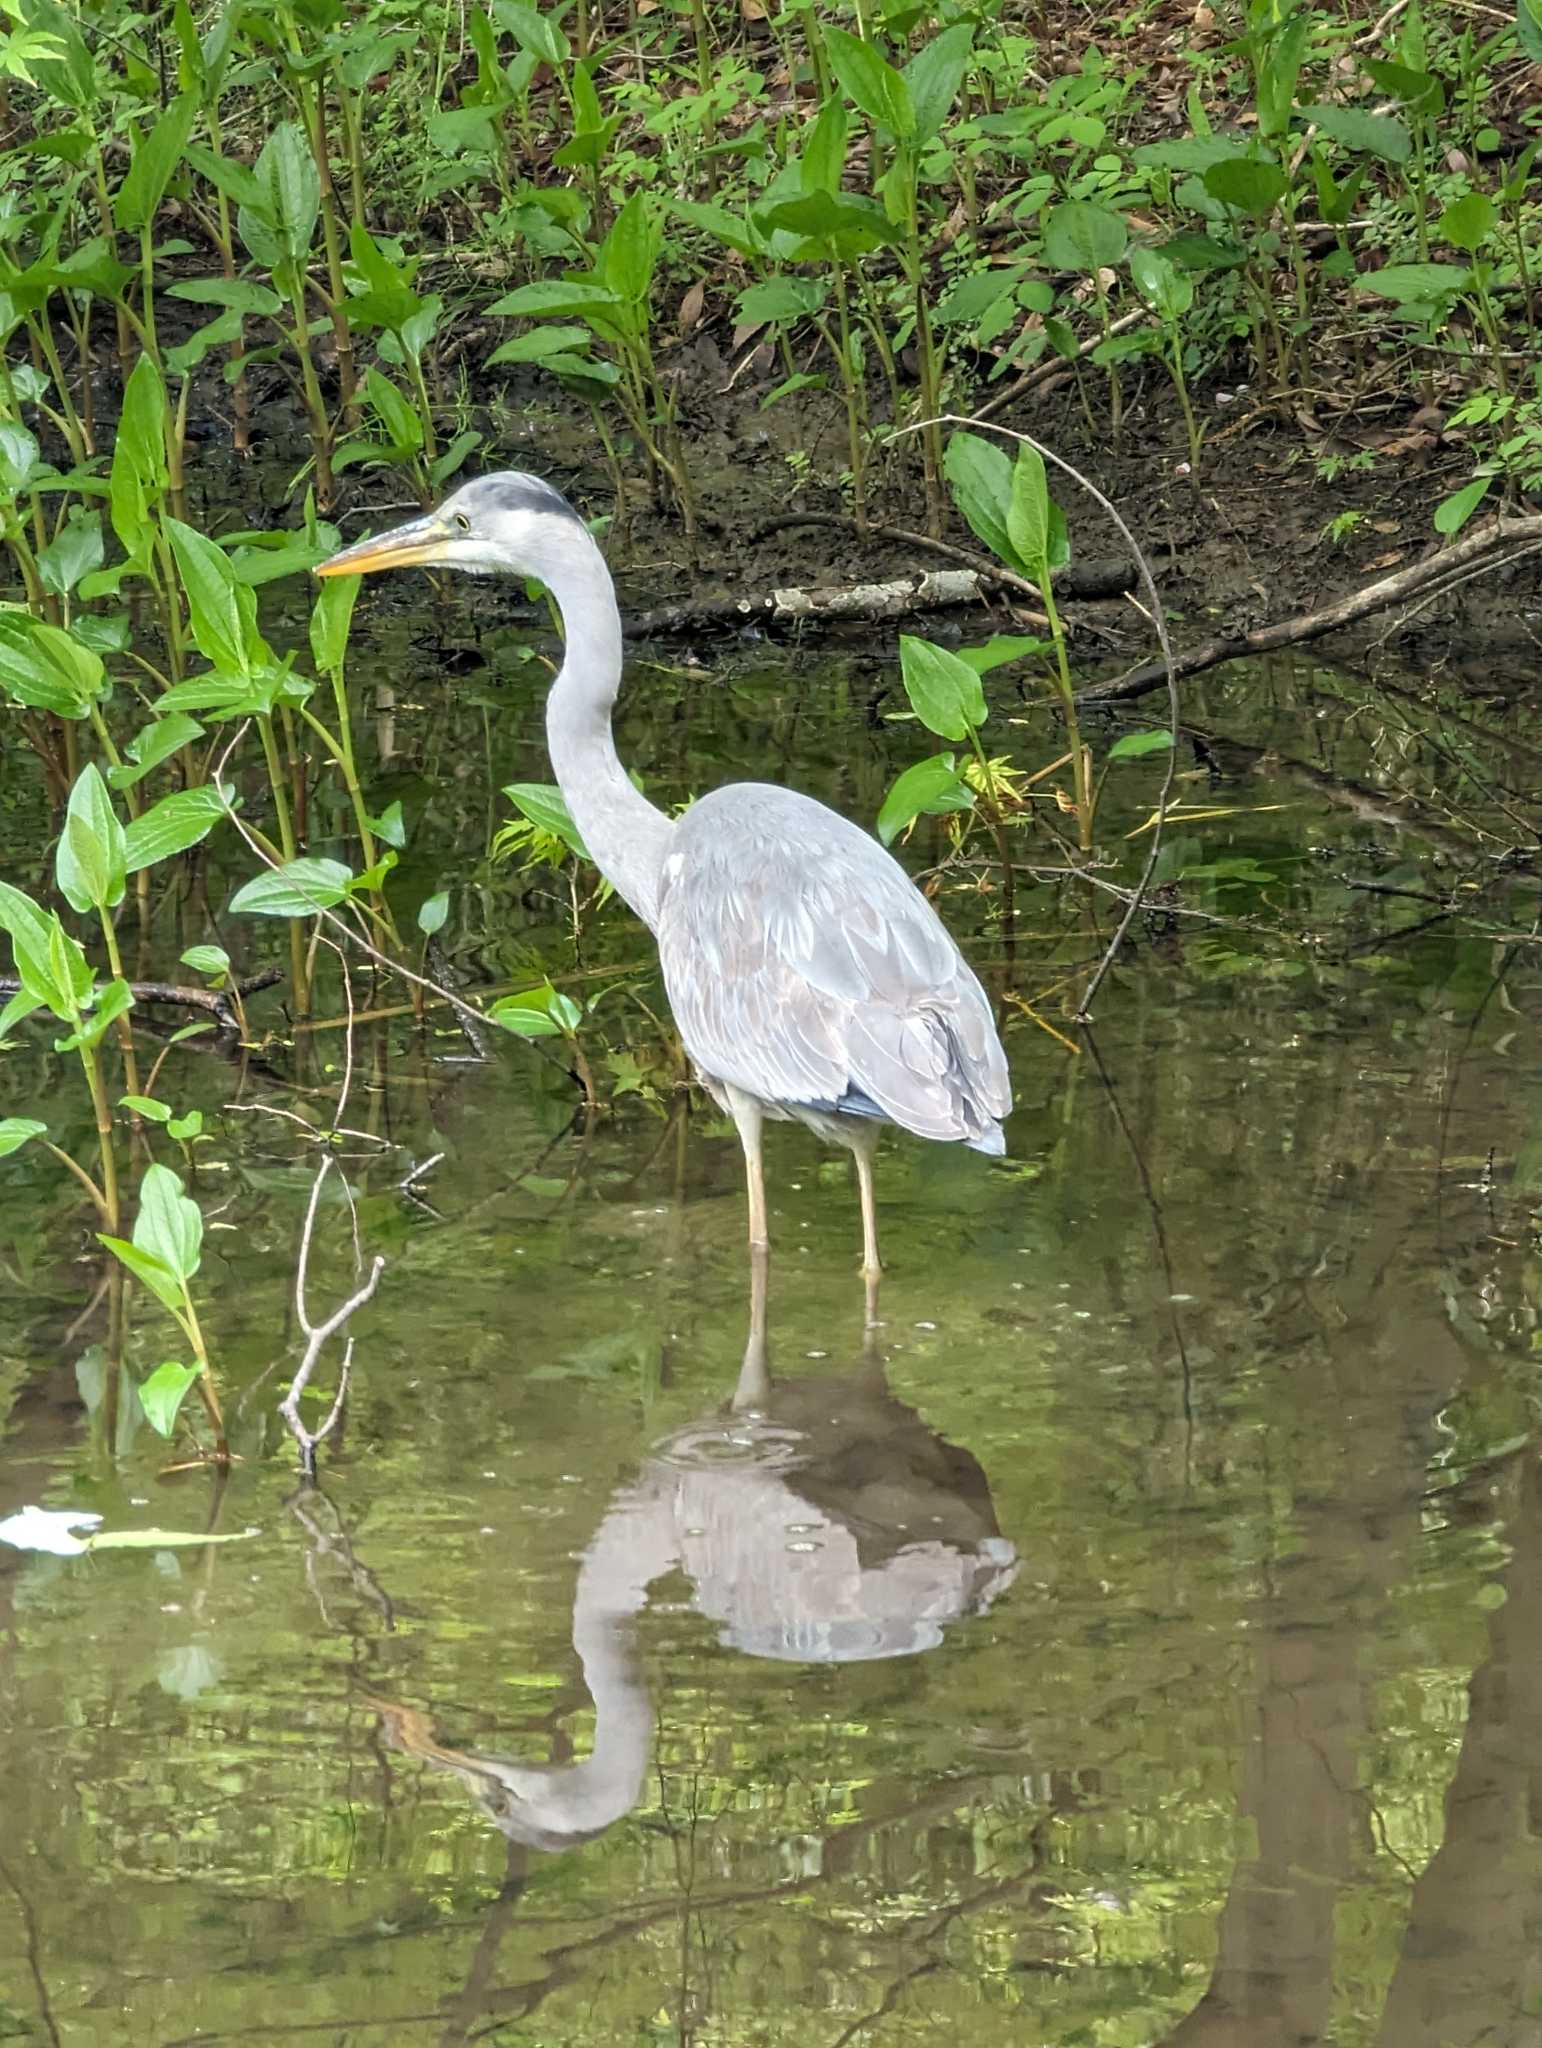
(1068, 710)
(207, 1390)
(109, 1190)
(315, 404)
(124, 1029)
(80, 1173)
(286, 842)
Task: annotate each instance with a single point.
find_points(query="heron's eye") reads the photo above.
(462, 523)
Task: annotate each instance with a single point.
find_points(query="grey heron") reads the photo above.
(808, 975)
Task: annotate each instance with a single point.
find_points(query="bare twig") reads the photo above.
(218, 1002)
(317, 1334)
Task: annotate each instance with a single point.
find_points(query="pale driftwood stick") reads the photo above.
(1499, 540)
(896, 597)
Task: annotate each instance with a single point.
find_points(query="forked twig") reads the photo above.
(318, 1334)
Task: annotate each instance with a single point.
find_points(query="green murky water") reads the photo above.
(1140, 1641)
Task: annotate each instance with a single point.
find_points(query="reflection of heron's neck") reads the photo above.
(626, 835)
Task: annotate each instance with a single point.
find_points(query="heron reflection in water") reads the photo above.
(818, 1520)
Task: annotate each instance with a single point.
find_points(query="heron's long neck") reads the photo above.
(627, 835)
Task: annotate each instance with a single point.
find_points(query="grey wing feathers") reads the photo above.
(805, 967)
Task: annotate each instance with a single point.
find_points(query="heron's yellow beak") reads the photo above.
(420, 542)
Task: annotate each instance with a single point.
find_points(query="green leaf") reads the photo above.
(934, 75)
(164, 1539)
(147, 1107)
(1247, 184)
(169, 1226)
(89, 863)
(390, 825)
(1468, 222)
(1528, 28)
(871, 84)
(1415, 283)
(1379, 135)
(1003, 647)
(163, 1393)
(779, 299)
(74, 551)
(206, 959)
(944, 692)
(1453, 513)
(16, 1131)
(1167, 289)
(32, 934)
(46, 668)
(277, 230)
(1028, 515)
(547, 808)
(171, 826)
(236, 294)
(1130, 746)
(156, 157)
(1420, 91)
(155, 1273)
(930, 787)
(551, 298)
(980, 476)
(182, 1128)
(18, 456)
(433, 911)
(298, 889)
(823, 158)
(109, 1004)
(536, 1013)
(535, 32)
(629, 254)
(1081, 236)
(399, 419)
(157, 743)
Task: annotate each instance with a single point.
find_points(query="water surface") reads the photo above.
(1137, 1639)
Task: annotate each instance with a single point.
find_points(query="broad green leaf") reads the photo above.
(530, 347)
(169, 1226)
(46, 668)
(931, 787)
(944, 692)
(278, 229)
(145, 1266)
(1166, 288)
(433, 911)
(934, 75)
(1420, 91)
(1453, 513)
(206, 959)
(980, 476)
(397, 416)
(1248, 185)
(780, 298)
(533, 31)
(163, 1393)
(1415, 283)
(156, 157)
(164, 1539)
(823, 159)
(1468, 222)
(1130, 746)
(331, 616)
(146, 1106)
(548, 808)
(1079, 235)
(18, 456)
(75, 550)
(1379, 135)
(173, 825)
(975, 295)
(390, 825)
(1003, 647)
(236, 294)
(542, 1012)
(630, 252)
(552, 298)
(109, 1004)
(16, 1131)
(89, 863)
(297, 889)
(157, 743)
(871, 84)
(32, 934)
(1528, 28)
(1028, 514)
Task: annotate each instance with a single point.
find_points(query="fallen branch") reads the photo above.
(218, 1002)
(1499, 541)
(924, 590)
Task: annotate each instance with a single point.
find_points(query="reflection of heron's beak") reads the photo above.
(405, 547)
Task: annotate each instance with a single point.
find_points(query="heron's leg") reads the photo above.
(864, 1143)
(754, 1388)
(749, 1116)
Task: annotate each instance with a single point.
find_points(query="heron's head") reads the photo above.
(509, 523)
